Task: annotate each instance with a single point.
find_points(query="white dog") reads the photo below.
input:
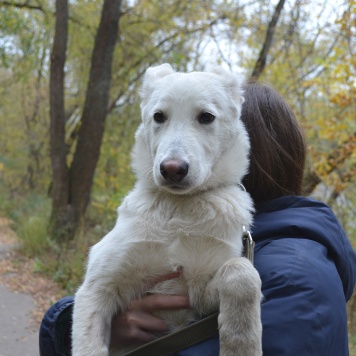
(185, 212)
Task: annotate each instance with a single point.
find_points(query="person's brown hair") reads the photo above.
(278, 147)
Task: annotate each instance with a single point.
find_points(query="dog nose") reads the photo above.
(174, 170)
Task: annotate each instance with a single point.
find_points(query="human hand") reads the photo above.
(137, 323)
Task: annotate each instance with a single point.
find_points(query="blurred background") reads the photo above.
(70, 73)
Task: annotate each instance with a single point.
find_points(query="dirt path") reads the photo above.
(17, 336)
(24, 297)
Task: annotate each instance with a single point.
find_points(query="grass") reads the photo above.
(31, 224)
(33, 234)
(30, 217)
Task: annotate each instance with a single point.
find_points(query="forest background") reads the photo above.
(69, 105)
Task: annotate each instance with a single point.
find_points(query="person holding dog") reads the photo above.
(306, 262)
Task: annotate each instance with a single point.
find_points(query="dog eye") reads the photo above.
(206, 118)
(159, 117)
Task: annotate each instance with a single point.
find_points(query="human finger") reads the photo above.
(166, 277)
(153, 302)
(145, 321)
(123, 333)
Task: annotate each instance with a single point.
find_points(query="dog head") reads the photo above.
(191, 137)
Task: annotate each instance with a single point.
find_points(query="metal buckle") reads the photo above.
(248, 244)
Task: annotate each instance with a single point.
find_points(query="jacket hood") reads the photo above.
(300, 217)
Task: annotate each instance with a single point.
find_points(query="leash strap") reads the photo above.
(180, 339)
(193, 333)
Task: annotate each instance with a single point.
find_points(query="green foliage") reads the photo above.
(352, 344)
(34, 235)
(31, 220)
(29, 215)
(6, 203)
(114, 177)
(65, 263)
(23, 100)
(66, 267)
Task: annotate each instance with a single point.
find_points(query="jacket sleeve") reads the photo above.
(304, 308)
(55, 329)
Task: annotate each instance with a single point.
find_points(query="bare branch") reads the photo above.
(261, 61)
(150, 52)
(18, 5)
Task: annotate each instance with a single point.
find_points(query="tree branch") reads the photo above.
(146, 58)
(95, 108)
(24, 5)
(261, 61)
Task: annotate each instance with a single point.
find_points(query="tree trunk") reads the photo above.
(75, 187)
(60, 173)
(95, 109)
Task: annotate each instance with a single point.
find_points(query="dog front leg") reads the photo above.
(92, 323)
(240, 327)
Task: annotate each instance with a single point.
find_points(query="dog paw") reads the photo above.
(240, 280)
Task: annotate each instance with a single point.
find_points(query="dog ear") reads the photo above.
(232, 82)
(158, 72)
(153, 73)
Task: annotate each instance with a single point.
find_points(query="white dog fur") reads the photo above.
(192, 222)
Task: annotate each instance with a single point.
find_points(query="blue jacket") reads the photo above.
(308, 272)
